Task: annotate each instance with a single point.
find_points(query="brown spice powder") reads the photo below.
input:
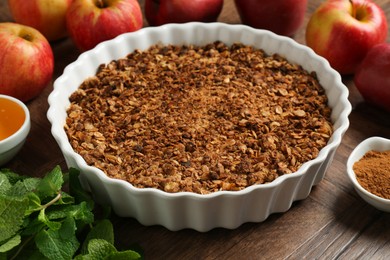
(373, 173)
(199, 118)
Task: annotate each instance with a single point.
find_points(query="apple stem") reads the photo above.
(358, 12)
(26, 36)
(101, 4)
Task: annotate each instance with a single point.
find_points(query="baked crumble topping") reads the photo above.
(199, 118)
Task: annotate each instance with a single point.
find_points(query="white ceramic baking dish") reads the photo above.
(227, 209)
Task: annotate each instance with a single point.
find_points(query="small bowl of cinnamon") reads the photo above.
(368, 168)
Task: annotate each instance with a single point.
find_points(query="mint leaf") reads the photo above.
(68, 229)
(50, 184)
(46, 221)
(11, 243)
(84, 213)
(76, 190)
(103, 230)
(32, 227)
(66, 198)
(102, 249)
(58, 244)
(34, 203)
(38, 220)
(11, 176)
(124, 255)
(12, 212)
(79, 212)
(23, 187)
(5, 185)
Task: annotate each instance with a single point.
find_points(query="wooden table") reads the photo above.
(333, 222)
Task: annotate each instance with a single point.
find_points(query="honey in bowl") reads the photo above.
(12, 117)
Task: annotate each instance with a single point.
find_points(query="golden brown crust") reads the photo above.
(199, 118)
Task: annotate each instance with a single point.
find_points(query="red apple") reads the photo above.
(342, 31)
(158, 12)
(372, 77)
(280, 16)
(26, 61)
(91, 22)
(47, 16)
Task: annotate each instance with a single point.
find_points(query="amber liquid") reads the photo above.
(12, 117)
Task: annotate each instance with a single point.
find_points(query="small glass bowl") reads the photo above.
(373, 143)
(11, 145)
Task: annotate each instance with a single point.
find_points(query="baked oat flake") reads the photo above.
(199, 118)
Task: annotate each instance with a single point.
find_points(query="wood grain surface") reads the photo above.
(332, 223)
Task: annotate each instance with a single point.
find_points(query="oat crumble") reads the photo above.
(199, 118)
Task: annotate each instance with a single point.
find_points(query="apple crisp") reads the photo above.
(199, 118)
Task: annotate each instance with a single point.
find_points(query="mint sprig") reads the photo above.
(39, 220)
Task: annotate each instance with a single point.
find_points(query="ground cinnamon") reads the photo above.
(373, 173)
